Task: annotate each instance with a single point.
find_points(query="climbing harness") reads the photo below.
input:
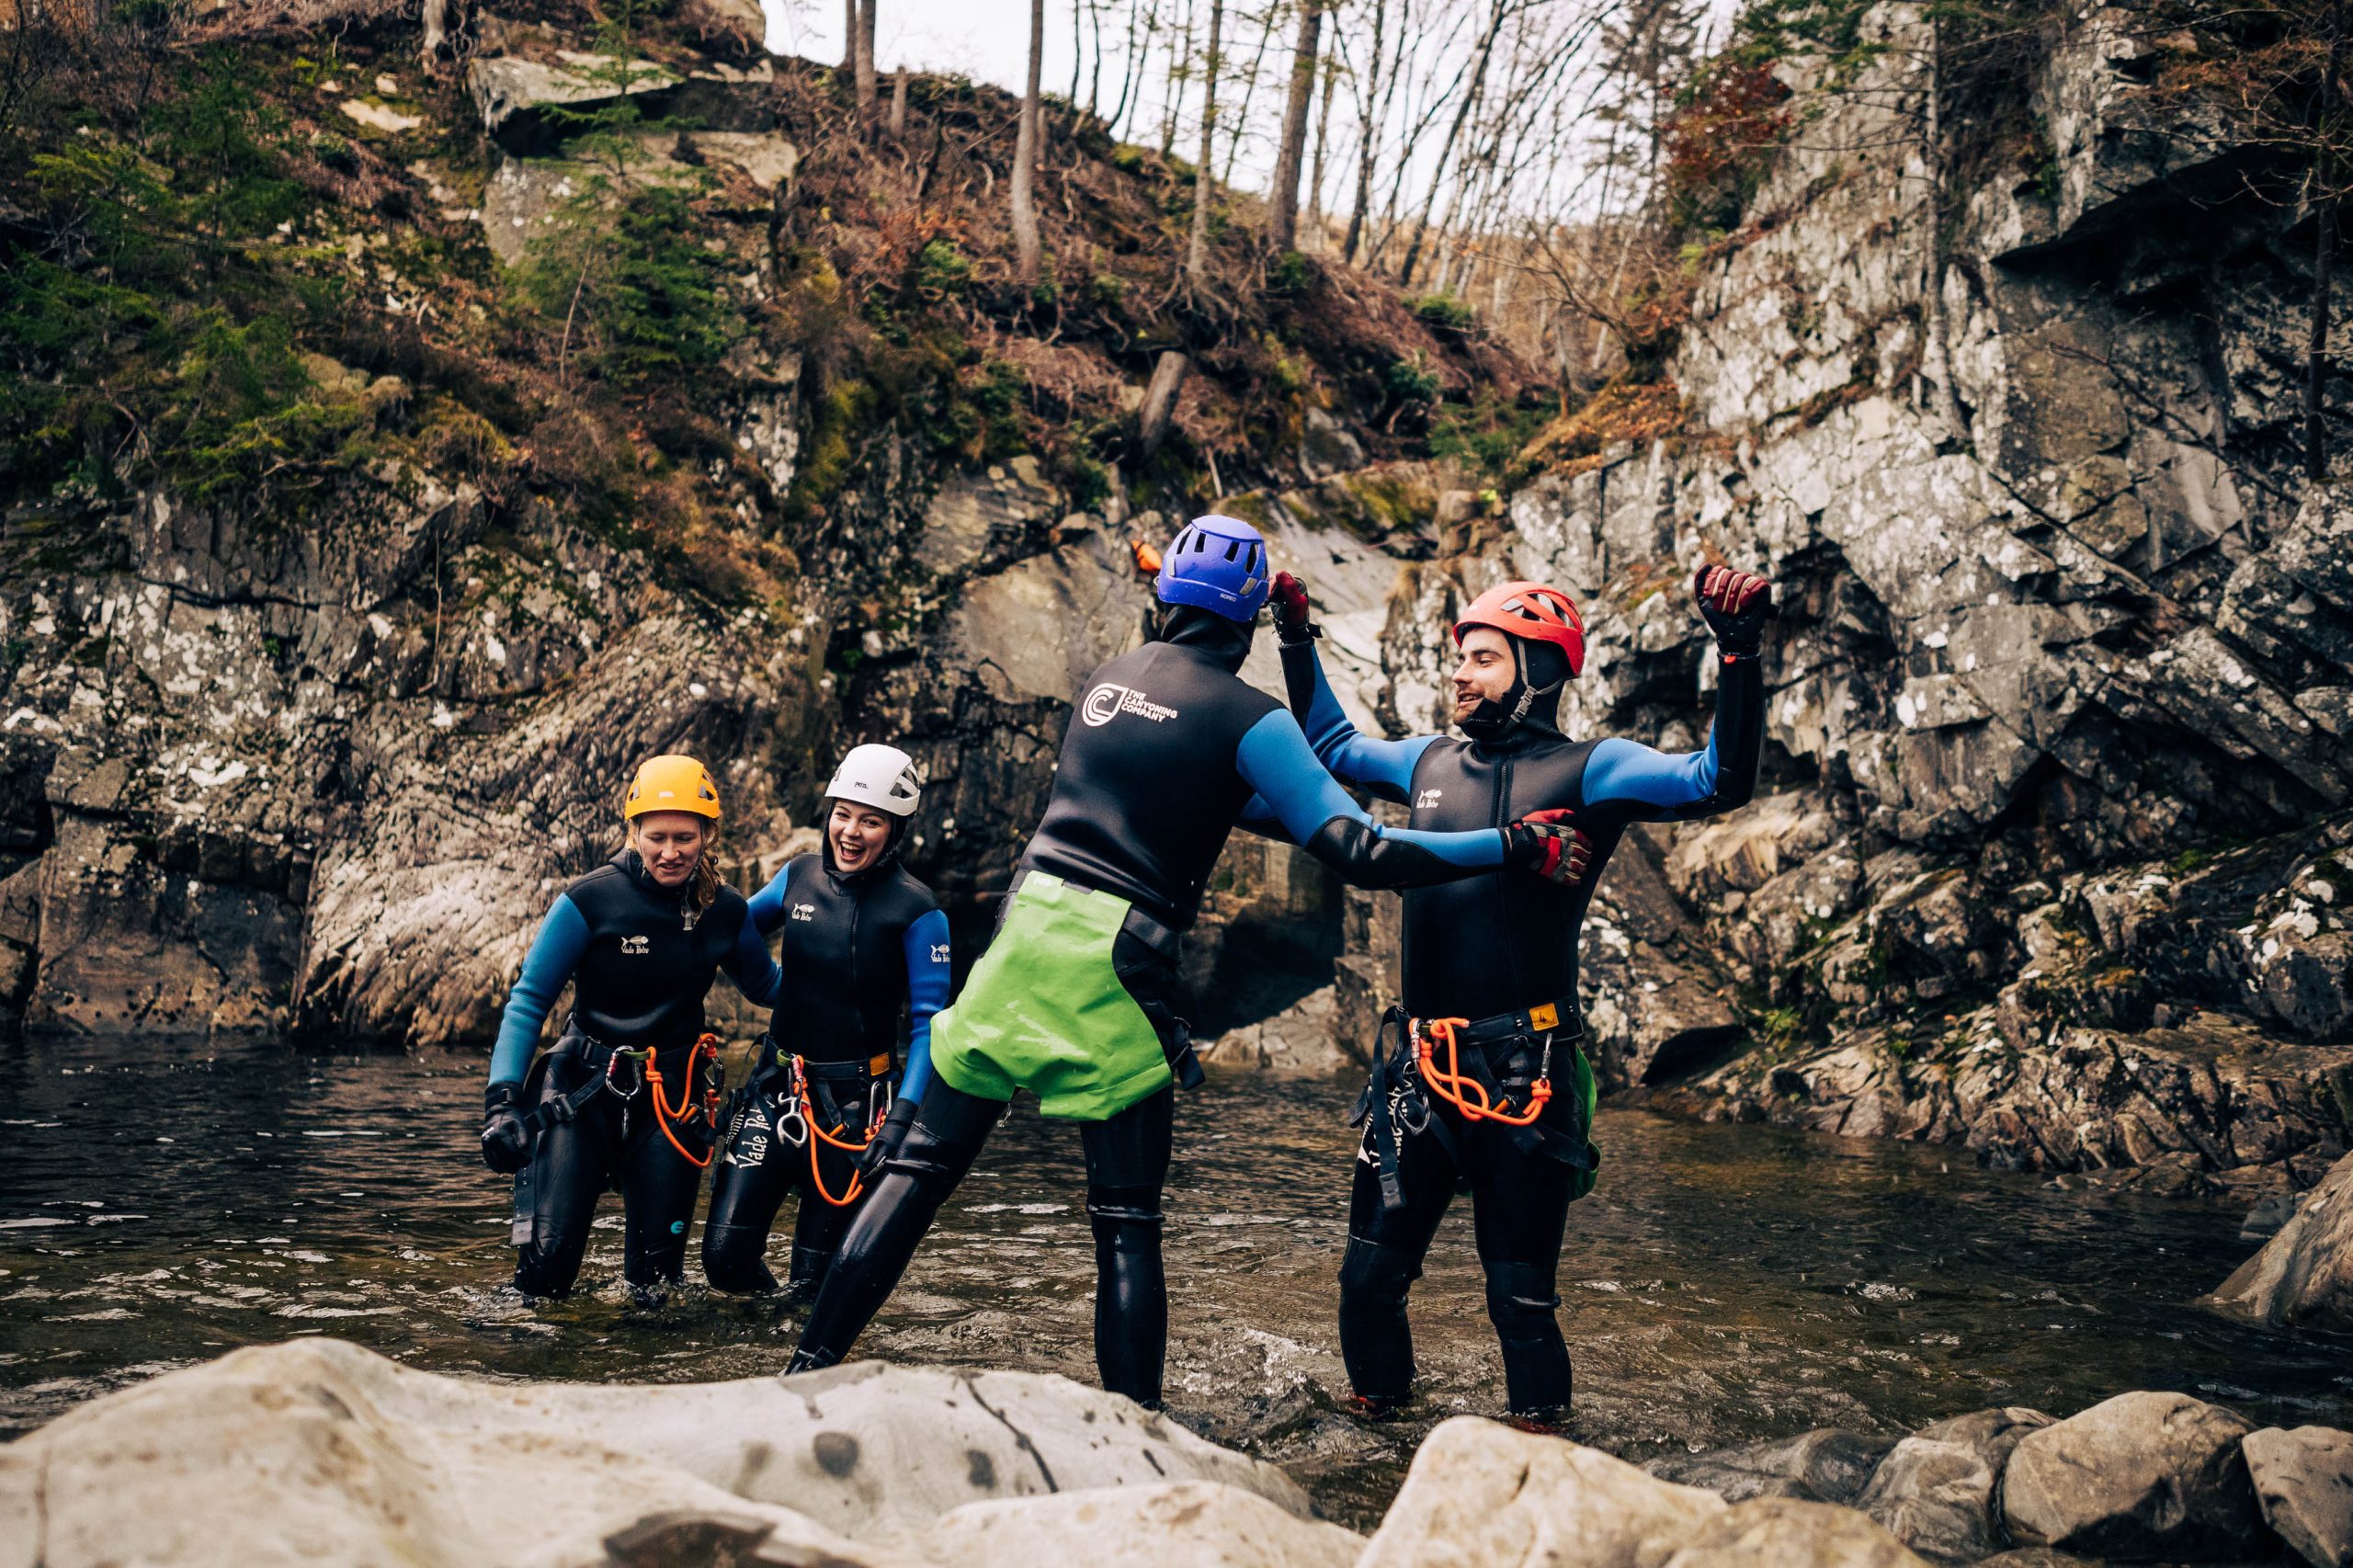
(1409, 1084)
(801, 1115)
(702, 1060)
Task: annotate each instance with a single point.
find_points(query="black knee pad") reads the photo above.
(1521, 1301)
(1373, 1275)
(732, 1259)
(1126, 1220)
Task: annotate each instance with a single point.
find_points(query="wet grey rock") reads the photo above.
(2036, 1557)
(1766, 1532)
(2303, 1276)
(2270, 1215)
(1938, 1491)
(1302, 1040)
(2303, 1483)
(2143, 1476)
(1830, 1464)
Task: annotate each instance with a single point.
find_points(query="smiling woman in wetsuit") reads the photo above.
(628, 1096)
(863, 942)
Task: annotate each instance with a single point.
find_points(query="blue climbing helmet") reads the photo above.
(1218, 563)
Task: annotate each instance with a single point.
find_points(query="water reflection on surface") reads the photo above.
(161, 1203)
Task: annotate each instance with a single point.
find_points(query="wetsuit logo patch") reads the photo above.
(1107, 703)
(636, 947)
(1428, 799)
(939, 952)
(805, 912)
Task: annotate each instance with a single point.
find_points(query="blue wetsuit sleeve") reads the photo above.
(555, 953)
(926, 947)
(1631, 780)
(1384, 768)
(1274, 758)
(768, 905)
(1260, 818)
(747, 963)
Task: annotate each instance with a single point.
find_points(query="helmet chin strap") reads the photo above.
(1528, 694)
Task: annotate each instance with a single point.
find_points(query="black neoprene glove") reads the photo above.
(887, 1138)
(1736, 604)
(1289, 598)
(505, 1142)
(1549, 845)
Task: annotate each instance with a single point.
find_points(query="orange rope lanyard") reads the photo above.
(665, 1113)
(816, 1178)
(1459, 1090)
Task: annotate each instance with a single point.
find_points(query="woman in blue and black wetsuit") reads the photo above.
(628, 1096)
(863, 942)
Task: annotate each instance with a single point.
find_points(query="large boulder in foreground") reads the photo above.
(2303, 1276)
(317, 1450)
(1184, 1524)
(1938, 1491)
(2303, 1483)
(1774, 1533)
(1482, 1495)
(2141, 1476)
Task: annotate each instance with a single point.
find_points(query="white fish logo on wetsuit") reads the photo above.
(636, 947)
(1107, 703)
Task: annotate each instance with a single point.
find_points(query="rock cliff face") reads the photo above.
(2046, 856)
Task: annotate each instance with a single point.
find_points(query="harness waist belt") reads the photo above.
(1154, 934)
(1557, 1018)
(875, 1067)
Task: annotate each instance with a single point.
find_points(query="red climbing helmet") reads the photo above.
(1529, 610)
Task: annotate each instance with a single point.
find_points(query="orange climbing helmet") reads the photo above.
(672, 783)
(1533, 611)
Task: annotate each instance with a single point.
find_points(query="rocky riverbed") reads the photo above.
(316, 1450)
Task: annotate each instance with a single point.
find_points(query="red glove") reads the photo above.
(1736, 604)
(1549, 845)
(1290, 599)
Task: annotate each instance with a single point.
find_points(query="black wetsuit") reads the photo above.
(858, 951)
(1158, 765)
(639, 963)
(1497, 948)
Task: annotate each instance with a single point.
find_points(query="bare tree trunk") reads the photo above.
(1292, 153)
(1446, 152)
(1077, 51)
(1178, 77)
(1249, 91)
(1025, 155)
(899, 103)
(1315, 174)
(2324, 259)
(867, 95)
(1095, 78)
(1128, 71)
(1369, 110)
(1160, 399)
(1197, 250)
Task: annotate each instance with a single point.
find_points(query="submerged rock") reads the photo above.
(2303, 1276)
(318, 1450)
(1482, 1494)
(1938, 1491)
(2304, 1483)
(1770, 1532)
(1829, 1464)
(2142, 1475)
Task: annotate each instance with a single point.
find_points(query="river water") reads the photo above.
(161, 1202)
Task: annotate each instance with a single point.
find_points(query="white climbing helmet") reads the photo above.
(881, 777)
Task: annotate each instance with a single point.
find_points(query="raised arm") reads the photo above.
(547, 968)
(1382, 767)
(768, 905)
(1275, 759)
(1637, 782)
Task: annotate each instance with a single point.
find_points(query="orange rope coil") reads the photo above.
(1462, 1090)
(685, 1111)
(856, 1189)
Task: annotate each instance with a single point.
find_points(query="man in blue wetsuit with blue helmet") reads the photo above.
(1490, 1015)
(1075, 1000)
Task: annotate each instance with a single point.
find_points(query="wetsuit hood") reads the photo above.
(633, 866)
(1227, 643)
(1532, 705)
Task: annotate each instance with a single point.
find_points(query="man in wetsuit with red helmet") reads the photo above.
(1488, 1089)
